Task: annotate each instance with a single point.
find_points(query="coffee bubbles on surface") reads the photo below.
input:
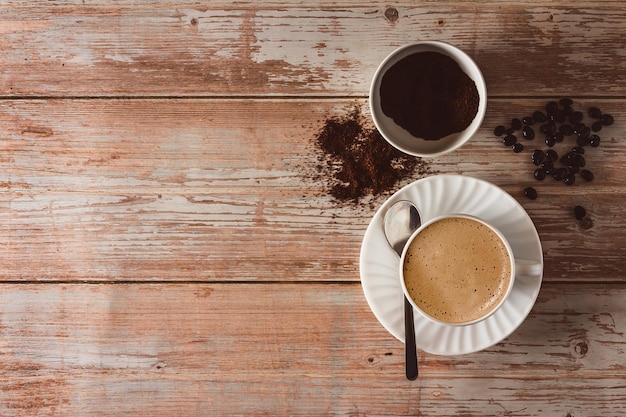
(457, 270)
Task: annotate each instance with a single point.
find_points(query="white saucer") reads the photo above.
(434, 196)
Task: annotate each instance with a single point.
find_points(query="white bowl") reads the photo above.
(400, 137)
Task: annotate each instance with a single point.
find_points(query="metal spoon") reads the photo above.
(400, 221)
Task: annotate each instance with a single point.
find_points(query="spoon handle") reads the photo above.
(409, 342)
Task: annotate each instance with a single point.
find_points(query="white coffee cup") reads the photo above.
(458, 269)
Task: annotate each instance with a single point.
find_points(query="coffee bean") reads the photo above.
(516, 124)
(539, 116)
(586, 175)
(607, 119)
(518, 147)
(552, 155)
(569, 179)
(558, 137)
(578, 127)
(509, 140)
(539, 174)
(550, 141)
(566, 102)
(596, 126)
(547, 166)
(559, 174)
(566, 130)
(583, 141)
(576, 117)
(584, 132)
(528, 120)
(580, 212)
(499, 130)
(594, 112)
(547, 128)
(530, 193)
(528, 132)
(568, 159)
(573, 169)
(594, 141)
(552, 107)
(579, 160)
(559, 117)
(538, 156)
(578, 149)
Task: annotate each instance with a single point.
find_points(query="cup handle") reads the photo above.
(527, 268)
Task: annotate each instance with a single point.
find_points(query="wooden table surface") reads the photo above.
(169, 246)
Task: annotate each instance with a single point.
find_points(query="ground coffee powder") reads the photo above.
(357, 161)
(429, 95)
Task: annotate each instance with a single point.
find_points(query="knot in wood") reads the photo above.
(581, 349)
(391, 14)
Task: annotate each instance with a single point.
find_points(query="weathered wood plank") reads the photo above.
(314, 349)
(172, 49)
(229, 190)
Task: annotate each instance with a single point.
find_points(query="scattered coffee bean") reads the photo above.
(558, 136)
(559, 174)
(540, 174)
(557, 121)
(578, 127)
(606, 119)
(530, 193)
(509, 140)
(580, 212)
(548, 166)
(552, 107)
(579, 160)
(567, 159)
(569, 179)
(538, 156)
(583, 141)
(547, 128)
(552, 155)
(594, 112)
(596, 126)
(576, 117)
(528, 133)
(539, 116)
(584, 133)
(573, 169)
(566, 130)
(586, 175)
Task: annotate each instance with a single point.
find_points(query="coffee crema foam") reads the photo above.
(457, 270)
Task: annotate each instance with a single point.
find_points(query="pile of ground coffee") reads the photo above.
(357, 161)
(429, 95)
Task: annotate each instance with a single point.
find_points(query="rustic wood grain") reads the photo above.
(167, 239)
(229, 190)
(187, 49)
(292, 349)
